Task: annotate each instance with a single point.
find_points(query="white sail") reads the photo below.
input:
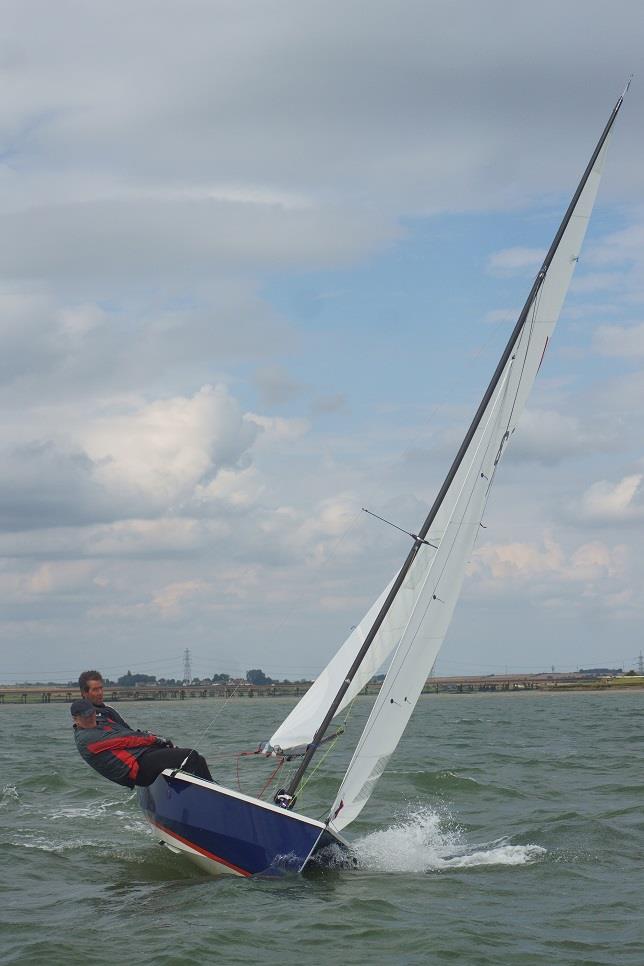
(426, 600)
(306, 717)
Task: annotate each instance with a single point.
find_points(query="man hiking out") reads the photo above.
(125, 756)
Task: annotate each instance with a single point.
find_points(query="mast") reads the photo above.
(287, 798)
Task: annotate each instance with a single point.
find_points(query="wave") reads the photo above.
(94, 810)
(8, 795)
(425, 840)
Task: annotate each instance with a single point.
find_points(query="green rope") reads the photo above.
(330, 748)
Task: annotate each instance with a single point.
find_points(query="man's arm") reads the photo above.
(115, 716)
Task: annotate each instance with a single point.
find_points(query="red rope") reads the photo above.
(246, 754)
(271, 777)
(242, 754)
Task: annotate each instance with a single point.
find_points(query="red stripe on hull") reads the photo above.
(198, 848)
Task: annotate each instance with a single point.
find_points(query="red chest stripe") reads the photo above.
(114, 744)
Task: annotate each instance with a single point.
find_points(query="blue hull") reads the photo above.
(227, 832)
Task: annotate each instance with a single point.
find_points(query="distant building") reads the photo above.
(599, 672)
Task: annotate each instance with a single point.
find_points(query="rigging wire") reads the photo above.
(326, 754)
(456, 529)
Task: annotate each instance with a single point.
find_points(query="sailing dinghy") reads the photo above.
(227, 831)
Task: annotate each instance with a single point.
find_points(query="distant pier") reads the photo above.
(464, 684)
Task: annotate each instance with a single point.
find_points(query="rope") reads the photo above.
(271, 777)
(218, 713)
(252, 754)
(332, 745)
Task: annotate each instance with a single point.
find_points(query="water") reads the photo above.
(508, 830)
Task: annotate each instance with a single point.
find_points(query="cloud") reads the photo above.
(520, 560)
(625, 245)
(620, 341)
(549, 437)
(165, 449)
(43, 484)
(268, 108)
(158, 539)
(171, 598)
(171, 193)
(131, 241)
(334, 403)
(59, 578)
(30, 342)
(134, 463)
(542, 566)
(613, 503)
(79, 320)
(501, 315)
(588, 282)
(278, 428)
(58, 348)
(511, 260)
(276, 386)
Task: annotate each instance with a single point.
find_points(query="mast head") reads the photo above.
(626, 89)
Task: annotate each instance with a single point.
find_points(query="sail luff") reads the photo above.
(431, 516)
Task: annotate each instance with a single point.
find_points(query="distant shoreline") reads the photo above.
(32, 696)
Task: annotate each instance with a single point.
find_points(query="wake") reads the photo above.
(422, 842)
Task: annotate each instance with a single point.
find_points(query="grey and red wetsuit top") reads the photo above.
(107, 715)
(113, 750)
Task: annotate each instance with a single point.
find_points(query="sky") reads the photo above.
(258, 262)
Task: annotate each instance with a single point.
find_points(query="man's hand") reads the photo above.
(165, 742)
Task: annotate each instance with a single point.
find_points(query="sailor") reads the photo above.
(125, 756)
(90, 684)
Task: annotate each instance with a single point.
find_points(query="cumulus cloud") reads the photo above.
(137, 463)
(164, 449)
(234, 489)
(548, 562)
(278, 428)
(613, 503)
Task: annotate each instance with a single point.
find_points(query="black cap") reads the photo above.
(81, 707)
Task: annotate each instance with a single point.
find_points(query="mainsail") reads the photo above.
(412, 615)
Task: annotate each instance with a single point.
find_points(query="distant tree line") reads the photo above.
(133, 678)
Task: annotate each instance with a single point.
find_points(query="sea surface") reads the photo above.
(508, 829)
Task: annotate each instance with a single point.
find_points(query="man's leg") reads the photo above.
(154, 761)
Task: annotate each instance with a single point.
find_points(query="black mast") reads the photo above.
(288, 799)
